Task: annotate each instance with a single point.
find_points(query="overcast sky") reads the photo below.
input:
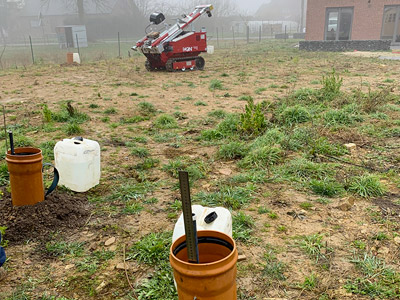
(250, 6)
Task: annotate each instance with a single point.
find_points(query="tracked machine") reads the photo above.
(177, 47)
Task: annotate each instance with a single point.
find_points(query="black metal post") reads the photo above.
(33, 57)
(119, 46)
(77, 44)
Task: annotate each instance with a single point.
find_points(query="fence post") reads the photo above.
(33, 57)
(217, 38)
(222, 33)
(233, 36)
(259, 35)
(248, 33)
(285, 33)
(77, 44)
(119, 46)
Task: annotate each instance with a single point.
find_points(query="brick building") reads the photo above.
(353, 20)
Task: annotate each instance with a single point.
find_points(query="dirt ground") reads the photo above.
(109, 93)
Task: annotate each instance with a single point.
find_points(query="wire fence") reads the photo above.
(46, 50)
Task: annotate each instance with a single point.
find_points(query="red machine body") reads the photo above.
(175, 48)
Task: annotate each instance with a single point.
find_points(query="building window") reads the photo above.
(391, 24)
(338, 23)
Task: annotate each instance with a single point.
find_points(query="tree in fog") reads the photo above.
(222, 8)
(79, 6)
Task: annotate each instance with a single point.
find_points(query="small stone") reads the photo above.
(122, 266)
(241, 257)
(383, 250)
(226, 172)
(28, 262)
(113, 248)
(346, 205)
(110, 241)
(350, 146)
(93, 246)
(397, 240)
(68, 267)
(101, 286)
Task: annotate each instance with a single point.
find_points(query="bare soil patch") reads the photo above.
(58, 212)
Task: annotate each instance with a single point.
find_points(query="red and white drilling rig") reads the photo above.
(177, 47)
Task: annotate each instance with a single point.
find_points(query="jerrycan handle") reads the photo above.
(55, 179)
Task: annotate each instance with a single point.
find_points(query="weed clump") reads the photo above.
(152, 248)
(215, 84)
(233, 150)
(226, 128)
(263, 157)
(295, 115)
(327, 187)
(242, 226)
(227, 196)
(331, 85)
(165, 122)
(366, 186)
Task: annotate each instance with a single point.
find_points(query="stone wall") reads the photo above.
(340, 46)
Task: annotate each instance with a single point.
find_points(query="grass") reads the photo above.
(227, 196)
(295, 115)
(215, 84)
(262, 157)
(313, 246)
(326, 187)
(152, 249)
(165, 121)
(233, 150)
(243, 226)
(366, 186)
(376, 279)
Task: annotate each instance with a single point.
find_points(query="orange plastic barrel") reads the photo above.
(70, 57)
(214, 278)
(26, 179)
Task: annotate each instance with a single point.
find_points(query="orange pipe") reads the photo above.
(214, 278)
(70, 57)
(26, 177)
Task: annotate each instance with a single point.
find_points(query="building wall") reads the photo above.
(367, 17)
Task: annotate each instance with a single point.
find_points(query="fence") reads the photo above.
(47, 50)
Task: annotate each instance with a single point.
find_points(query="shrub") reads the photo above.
(252, 121)
(331, 85)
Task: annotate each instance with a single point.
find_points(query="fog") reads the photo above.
(41, 19)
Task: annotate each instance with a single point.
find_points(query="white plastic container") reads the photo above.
(76, 58)
(78, 162)
(210, 49)
(222, 223)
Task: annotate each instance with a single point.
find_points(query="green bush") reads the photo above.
(331, 86)
(323, 146)
(306, 95)
(252, 121)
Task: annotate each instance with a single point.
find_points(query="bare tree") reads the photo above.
(79, 6)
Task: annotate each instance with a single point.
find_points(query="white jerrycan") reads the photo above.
(207, 218)
(78, 163)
